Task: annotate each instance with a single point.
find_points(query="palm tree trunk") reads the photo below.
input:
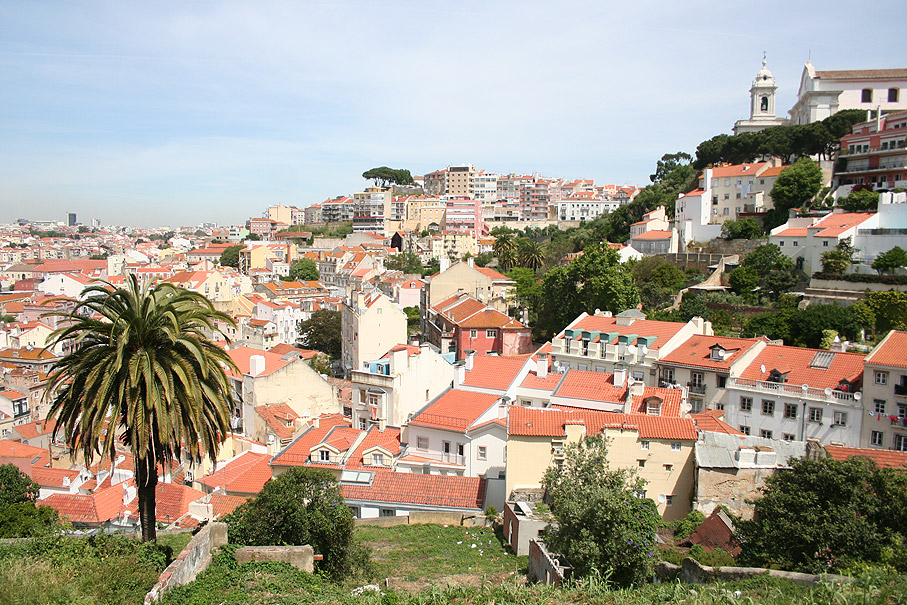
(146, 482)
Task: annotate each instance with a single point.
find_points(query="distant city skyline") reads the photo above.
(181, 113)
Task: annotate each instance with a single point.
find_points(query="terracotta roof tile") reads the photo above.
(526, 421)
(844, 366)
(277, 416)
(388, 439)
(883, 458)
(661, 330)
(696, 351)
(494, 371)
(711, 422)
(172, 500)
(297, 453)
(425, 490)
(455, 410)
(892, 351)
(247, 473)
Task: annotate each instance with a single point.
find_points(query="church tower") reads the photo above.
(762, 103)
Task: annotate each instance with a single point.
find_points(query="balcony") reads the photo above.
(697, 389)
(792, 390)
(900, 389)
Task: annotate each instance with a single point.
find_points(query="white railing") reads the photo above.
(792, 390)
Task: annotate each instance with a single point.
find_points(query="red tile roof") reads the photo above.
(526, 421)
(654, 234)
(426, 490)
(455, 410)
(696, 351)
(710, 421)
(494, 371)
(736, 170)
(52, 477)
(883, 458)
(549, 383)
(491, 273)
(835, 223)
(599, 387)
(297, 453)
(14, 449)
(863, 74)
(661, 330)
(99, 507)
(222, 504)
(277, 417)
(388, 439)
(844, 366)
(247, 474)
(172, 500)
(241, 356)
(892, 351)
(792, 232)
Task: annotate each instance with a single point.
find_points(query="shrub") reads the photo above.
(688, 524)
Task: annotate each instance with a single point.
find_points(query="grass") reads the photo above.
(432, 552)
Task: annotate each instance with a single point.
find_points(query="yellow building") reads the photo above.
(659, 449)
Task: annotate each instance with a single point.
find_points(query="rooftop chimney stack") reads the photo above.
(620, 375)
(470, 359)
(541, 365)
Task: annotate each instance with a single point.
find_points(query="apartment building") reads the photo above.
(371, 324)
(885, 394)
(875, 153)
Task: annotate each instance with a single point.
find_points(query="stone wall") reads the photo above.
(191, 561)
(728, 487)
(436, 518)
(545, 567)
(300, 557)
(693, 572)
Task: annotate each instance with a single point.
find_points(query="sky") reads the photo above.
(174, 113)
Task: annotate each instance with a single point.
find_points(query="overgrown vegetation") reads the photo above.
(19, 515)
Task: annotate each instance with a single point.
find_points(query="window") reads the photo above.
(324, 455)
(893, 95)
(746, 404)
(900, 443)
(768, 407)
(881, 377)
(378, 459)
(644, 445)
(815, 414)
(642, 463)
(669, 500)
(722, 382)
(877, 438)
(867, 95)
(696, 379)
(781, 243)
(763, 104)
(825, 243)
(796, 243)
(765, 433)
(879, 406)
(790, 410)
(788, 436)
(491, 333)
(675, 447)
(696, 405)
(840, 419)
(482, 452)
(422, 443)
(388, 512)
(669, 467)
(473, 333)
(744, 429)
(719, 406)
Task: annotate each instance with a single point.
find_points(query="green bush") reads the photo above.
(867, 278)
(686, 526)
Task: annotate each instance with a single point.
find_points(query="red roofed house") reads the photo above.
(461, 323)
(794, 394)
(804, 240)
(885, 395)
(267, 379)
(600, 342)
(653, 234)
(482, 283)
(658, 448)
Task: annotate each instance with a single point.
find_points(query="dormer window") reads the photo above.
(378, 459)
(778, 376)
(324, 455)
(653, 406)
(717, 353)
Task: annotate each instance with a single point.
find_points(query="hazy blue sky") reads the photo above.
(155, 113)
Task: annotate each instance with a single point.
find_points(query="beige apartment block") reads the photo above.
(885, 394)
(371, 324)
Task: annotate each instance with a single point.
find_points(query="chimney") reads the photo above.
(541, 365)
(502, 407)
(256, 365)
(637, 387)
(316, 422)
(459, 374)
(620, 375)
(382, 425)
(470, 358)
(471, 261)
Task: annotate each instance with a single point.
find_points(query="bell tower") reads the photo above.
(762, 103)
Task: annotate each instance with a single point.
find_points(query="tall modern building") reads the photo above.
(71, 219)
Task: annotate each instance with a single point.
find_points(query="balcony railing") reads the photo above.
(791, 390)
(698, 389)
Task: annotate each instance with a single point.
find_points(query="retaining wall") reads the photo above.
(300, 557)
(191, 561)
(435, 518)
(692, 571)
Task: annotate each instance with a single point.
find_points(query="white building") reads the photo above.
(825, 93)
(804, 240)
(762, 104)
(794, 393)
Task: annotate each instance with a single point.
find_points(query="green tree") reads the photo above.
(304, 269)
(20, 517)
(505, 248)
(408, 262)
(321, 363)
(745, 228)
(15, 486)
(657, 280)
(483, 258)
(861, 200)
(140, 360)
(744, 280)
(889, 309)
(413, 317)
(891, 260)
(807, 325)
(322, 332)
(775, 270)
(826, 515)
(230, 256)
(299, 506)
(530, 253)
(795, 187)
(602, 523)
(384, 176)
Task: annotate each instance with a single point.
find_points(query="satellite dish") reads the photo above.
(720, 354)
(805, 387)
(828, 391)
(858, 396)
(631, 349)
(762, 368)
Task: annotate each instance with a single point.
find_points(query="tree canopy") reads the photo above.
(860, 200)
(827, 515)
(745, 228)
(891, 260)
(602, 523)
(408, 262)
(304, 269)
(20, 517)
(384, 176)
(322, 332)
(796, 186)
(299, 506)
(141, 362)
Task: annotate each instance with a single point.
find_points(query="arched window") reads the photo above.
(764, 104)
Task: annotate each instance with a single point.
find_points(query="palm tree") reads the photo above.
(530, 253)
(505, 249)
(141, 362)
